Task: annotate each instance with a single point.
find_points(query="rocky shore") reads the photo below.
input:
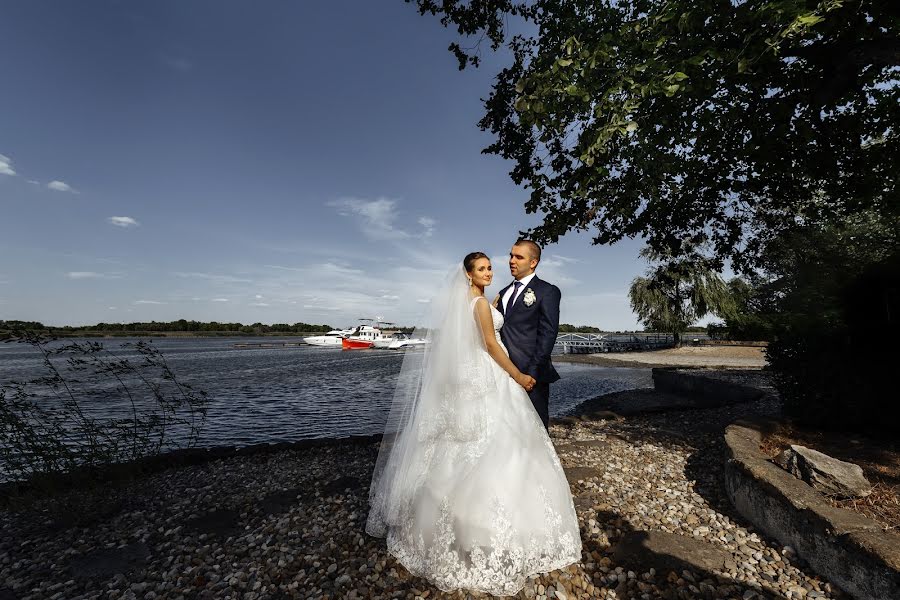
(654, 518)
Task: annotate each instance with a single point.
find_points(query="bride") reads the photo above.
(467, 487)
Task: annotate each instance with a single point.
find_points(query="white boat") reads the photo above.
(332, 338)
(367, 336)
(404, 340)
(389, 341)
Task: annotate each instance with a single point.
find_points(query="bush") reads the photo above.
(65, 419)
(834, 362)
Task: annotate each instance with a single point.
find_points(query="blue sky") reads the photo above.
(265, 161)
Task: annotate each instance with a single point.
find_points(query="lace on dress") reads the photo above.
(480, 512)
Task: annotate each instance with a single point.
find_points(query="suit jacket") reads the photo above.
(529, 332)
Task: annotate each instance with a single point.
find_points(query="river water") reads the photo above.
(261, 395)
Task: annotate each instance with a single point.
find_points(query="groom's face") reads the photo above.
(521, 263)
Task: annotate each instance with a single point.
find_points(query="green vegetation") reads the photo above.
(678, 291)
(180, 326)
(834, 300)
(566, 328)
(56, 423)
(762, 134)
(748, 315)
(721, 121)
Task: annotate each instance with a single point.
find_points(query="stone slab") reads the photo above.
(847, 548)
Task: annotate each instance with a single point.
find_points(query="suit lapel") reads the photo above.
(501, 308)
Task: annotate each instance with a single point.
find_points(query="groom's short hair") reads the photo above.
(533, 248)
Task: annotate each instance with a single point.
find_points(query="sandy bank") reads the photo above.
(719, 357)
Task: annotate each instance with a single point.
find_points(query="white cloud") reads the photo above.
(259, 304)
(423, 301)
(6, 166)
(389, 297)
(123, 221)
(220, 299)
(377, 218)
(34, 182)
(427, 224)
(61, 186)
(322, 269)
(111, 308)
(558, 260)
(92, 275)
(148, 302)
(259, 297)
(321, 308)
(211, 277)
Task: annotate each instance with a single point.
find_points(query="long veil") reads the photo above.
(438, 405)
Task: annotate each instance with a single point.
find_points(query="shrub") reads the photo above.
(91, 408)
(834, 366)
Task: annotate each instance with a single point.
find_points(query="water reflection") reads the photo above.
(292, 393)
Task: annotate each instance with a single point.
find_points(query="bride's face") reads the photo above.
(482, 273)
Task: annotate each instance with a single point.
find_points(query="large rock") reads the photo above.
(829, 475)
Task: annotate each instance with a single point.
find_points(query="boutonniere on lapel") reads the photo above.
(529, 297)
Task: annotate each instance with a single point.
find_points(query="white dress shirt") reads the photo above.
(507, 297)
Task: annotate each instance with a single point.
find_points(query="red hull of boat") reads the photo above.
(355, 344)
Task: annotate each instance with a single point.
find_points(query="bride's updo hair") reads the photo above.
(469, 260)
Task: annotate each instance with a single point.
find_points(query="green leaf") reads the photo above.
(564, 62)
(671, 89)
(632, 126)
(809, 20)
(679, 76)
(521, 104)
(520, 86)
(742, 65)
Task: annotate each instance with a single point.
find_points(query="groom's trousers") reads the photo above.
(540, 398)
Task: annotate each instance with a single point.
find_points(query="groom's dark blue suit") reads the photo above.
(529, 333)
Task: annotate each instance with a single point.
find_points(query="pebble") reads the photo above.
(224, 528)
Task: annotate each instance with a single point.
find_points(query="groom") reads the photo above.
(530, 309)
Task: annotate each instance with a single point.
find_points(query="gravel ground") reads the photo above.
(291, 525)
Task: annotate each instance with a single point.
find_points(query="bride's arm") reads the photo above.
(486, 322)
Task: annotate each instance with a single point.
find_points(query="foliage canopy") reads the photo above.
(719, 121)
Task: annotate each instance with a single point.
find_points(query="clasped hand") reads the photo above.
(526, 381)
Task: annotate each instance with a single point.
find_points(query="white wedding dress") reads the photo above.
(485, 513)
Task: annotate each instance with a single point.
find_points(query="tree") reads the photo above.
(677, 292)
(730, 121)
(834, 293)
(749, 314)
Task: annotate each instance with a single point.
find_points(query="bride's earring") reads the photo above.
(470, 282)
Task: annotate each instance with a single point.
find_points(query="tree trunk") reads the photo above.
(677, 338)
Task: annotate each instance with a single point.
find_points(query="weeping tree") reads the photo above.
(677, 291)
